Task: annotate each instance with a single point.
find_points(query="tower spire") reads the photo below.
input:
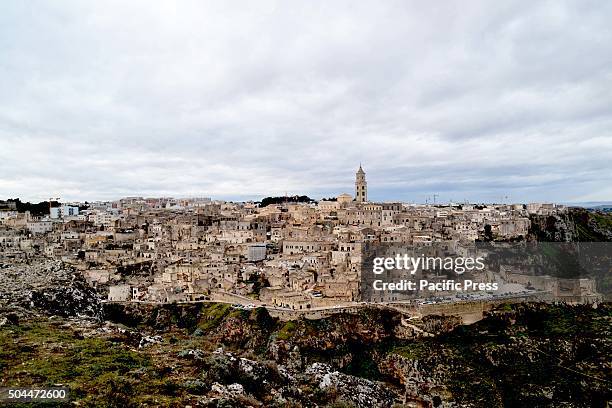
(361, 186)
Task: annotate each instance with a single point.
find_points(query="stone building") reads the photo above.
(361, 186)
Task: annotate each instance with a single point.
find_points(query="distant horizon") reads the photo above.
(375, 194)
(568, 203)
(378, 190)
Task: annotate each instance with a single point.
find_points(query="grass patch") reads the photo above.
(98, 371)
(604, 221)
(411, 351)
(212, 315)
(287, 331)
(80, 361)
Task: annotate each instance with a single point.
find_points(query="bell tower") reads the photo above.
(361, 186)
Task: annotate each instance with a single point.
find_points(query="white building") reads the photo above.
(64, 211)
(257, 252)
(39, 227)
(120, 293)
(103, 218)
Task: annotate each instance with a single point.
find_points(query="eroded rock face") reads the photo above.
(233, 378)
(359, 391)
(47, 287)
(577, 224)
(76, 299)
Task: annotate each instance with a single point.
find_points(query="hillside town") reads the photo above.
(290, 254)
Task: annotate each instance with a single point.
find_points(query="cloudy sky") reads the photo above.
(468, 100)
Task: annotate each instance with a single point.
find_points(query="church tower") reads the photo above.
(361, 186)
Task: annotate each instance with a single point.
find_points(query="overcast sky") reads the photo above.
(467, 100)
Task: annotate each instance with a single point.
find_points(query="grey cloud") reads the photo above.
(471, 100)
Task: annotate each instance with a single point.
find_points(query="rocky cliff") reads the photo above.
(46, 287)
(520, 355)
(217, 356)
(575, 225)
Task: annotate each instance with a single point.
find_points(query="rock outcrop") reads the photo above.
(47, 287)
